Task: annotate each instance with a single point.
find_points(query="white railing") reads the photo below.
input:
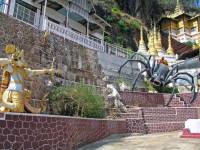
(82, 39)
(115, 50)
(3, 7)
(73, 36)
(25, 15)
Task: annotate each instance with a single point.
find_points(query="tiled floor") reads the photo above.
(162, 141)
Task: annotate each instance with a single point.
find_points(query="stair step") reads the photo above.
(134, 110)
(164, 127)
(177, 103)
(160, 118)
(129, 115)
(159, 110)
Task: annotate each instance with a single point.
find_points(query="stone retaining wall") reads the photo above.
(20, 131)
(144, 99)
(77, 63)
(37, 132)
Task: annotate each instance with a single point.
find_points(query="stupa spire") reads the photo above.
(170, 50)
(142, 47)
(152, 49)
(157, 40)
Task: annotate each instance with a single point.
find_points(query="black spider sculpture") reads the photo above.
(160, 75)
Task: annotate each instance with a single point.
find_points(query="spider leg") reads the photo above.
(194, 94)
(139, 74)
(184, 73)
(139, 55)
(170, 72)
(131, 60)
(153, 65)
(172, 94)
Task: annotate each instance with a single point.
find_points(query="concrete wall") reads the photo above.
(36, 132)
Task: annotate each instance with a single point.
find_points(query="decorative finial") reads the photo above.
(170, 50)
(179, 8)
(142, 47)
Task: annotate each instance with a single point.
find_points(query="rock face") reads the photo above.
(77, 62)
(111, 64)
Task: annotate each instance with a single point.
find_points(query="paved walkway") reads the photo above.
(163, 141)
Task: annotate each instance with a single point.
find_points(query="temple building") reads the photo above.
(183, 26)
(168, 41)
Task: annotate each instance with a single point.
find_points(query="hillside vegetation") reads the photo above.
(126, 17)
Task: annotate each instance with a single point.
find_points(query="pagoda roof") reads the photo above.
(181, 49)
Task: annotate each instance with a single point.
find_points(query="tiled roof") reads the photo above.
(179, 48)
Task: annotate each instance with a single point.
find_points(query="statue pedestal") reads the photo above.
(192, 129)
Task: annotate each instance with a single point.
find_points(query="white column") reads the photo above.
(44, 14)
(37, 18)
(12, 7)
(67, 17)
(87, 28)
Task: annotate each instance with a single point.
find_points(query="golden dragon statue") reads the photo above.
(13, 96)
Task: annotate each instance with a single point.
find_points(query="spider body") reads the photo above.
(160, 74)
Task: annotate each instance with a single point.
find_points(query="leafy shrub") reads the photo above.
(129, 51)
(110, 19)
(76, 100)
(108, 39)
(121, 41)
(135, 24)
(122, 25)
(149, 86)
(115, 10)
(166, 89)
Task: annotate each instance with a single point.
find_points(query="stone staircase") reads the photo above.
(157, 119)
(176, 101)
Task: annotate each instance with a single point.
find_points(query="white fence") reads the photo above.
(84, 40)
(72, 35)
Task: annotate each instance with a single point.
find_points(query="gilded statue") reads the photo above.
(13, 96)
